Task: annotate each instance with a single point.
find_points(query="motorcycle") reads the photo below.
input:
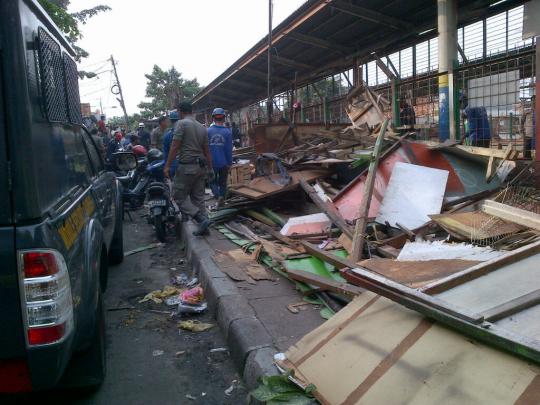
(136, 181)
(162, 209)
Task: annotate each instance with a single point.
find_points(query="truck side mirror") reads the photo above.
(125, 161)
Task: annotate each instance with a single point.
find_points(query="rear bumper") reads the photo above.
(43, 369)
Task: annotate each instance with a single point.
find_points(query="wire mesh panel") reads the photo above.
(496, 103)
(72, 90)
(52, 78)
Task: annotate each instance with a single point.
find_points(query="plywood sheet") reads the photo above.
(500, 286)
(262, 187)
(413, 193)
(524, 323)
(377, 352)
(416, 273)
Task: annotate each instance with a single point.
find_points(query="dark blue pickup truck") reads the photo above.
(60, 213)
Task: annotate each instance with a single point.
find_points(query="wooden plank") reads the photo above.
(507, 153)
(326, 256)
(282, 238)
(512, 214)
(513, 306)
(488, 152)
(409, 297)
(327, 284)
(482, 269)
(361, 222)
(328, 208)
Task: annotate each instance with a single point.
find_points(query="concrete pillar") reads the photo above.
(537, 105)
(447, 27)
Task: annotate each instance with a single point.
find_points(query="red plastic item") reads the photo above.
(193, 296)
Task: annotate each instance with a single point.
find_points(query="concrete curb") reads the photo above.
(250, 344)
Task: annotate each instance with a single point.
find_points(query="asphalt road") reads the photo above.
(150, 360)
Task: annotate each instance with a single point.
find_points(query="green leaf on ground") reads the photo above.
(280, 390)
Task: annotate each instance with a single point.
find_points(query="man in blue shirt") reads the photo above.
(220, 143)
(477, 128)
(167, 140)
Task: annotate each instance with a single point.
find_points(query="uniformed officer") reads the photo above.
(190, 143)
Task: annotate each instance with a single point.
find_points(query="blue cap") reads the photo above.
(173, 116)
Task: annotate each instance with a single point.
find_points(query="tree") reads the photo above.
(69, 24)
(166, 88)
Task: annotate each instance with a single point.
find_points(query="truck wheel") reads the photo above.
(87, 369)
(96, 355)
(116, 251)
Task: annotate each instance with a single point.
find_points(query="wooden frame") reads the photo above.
(481, 269)
(512, 214)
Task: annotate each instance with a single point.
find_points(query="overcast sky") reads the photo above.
(201, 38)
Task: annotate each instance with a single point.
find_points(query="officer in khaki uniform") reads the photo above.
(190, 144)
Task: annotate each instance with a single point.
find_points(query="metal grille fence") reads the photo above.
(494, 85)
(52, 78)
(72, 90)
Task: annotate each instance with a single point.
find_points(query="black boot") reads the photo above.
(204, 224)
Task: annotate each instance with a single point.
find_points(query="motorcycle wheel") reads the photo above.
(178, 227)
(159, 224)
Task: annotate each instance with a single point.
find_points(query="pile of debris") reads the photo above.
(449, 231)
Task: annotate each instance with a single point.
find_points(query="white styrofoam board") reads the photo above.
(413, 193)
(441, 250)
(320, 221)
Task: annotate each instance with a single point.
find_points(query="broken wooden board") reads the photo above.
(416, 274)
(475, 225)
(324, 283)
(234, 268)
(263, 187)
(376, 352)
(240, 266)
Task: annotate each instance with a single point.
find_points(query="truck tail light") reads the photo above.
(46, 296)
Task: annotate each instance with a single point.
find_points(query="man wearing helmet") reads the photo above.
(220, 141)
(190, 144)
(144, 136)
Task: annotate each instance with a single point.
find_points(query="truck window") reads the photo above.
(77, 161)
(95, 158)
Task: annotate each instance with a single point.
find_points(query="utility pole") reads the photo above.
(269, 101)
(101, 107)
(119, 93)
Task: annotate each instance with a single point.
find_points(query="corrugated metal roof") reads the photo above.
(323, 37)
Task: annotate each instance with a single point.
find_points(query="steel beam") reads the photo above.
(261, 75)
(292, 63)
(319, 42)
(244, 84)
(372, 16)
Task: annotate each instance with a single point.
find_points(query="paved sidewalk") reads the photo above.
(253, 317)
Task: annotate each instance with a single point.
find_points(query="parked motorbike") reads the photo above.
(162, 209)
(136, 181)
